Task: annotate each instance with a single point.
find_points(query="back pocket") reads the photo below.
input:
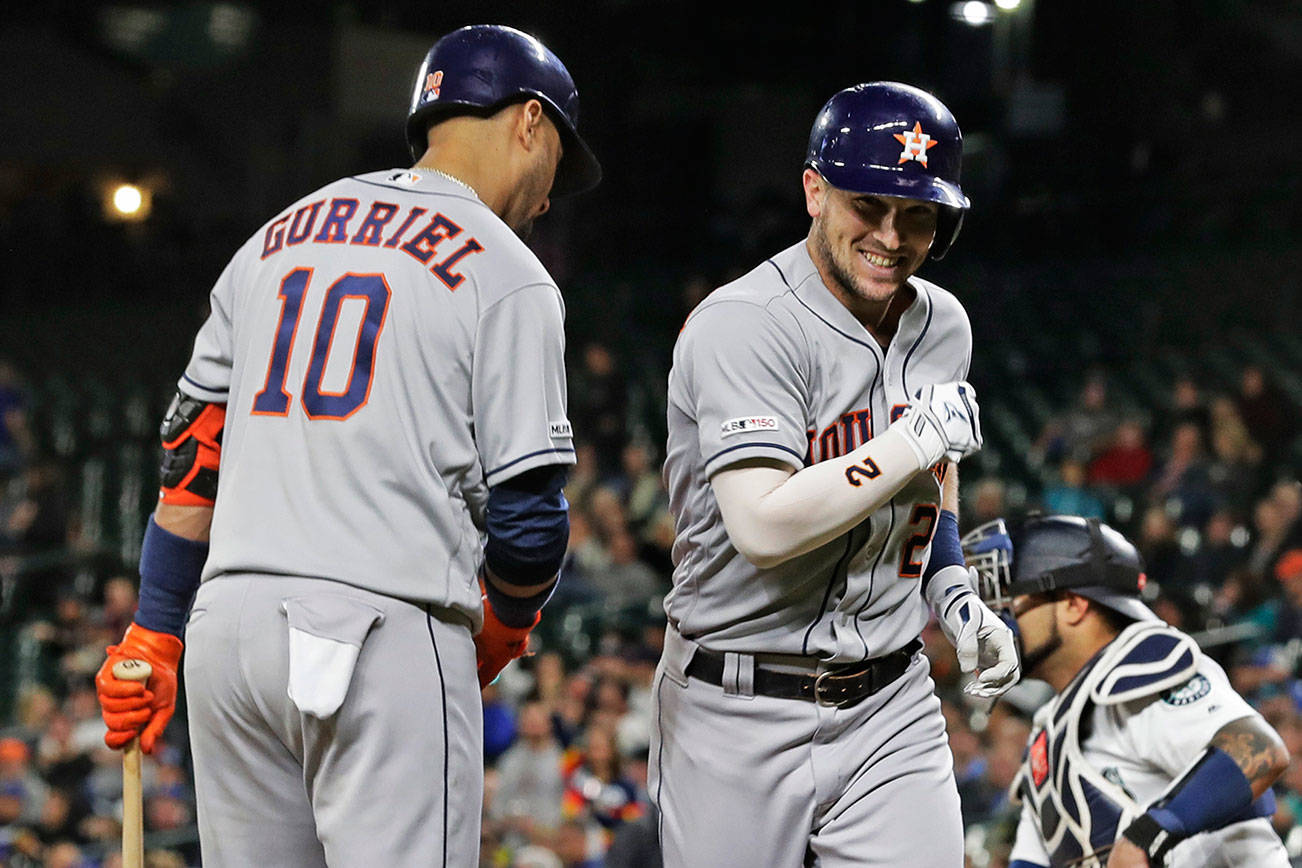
(326, 632)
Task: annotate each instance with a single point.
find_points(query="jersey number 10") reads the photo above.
(318, 403)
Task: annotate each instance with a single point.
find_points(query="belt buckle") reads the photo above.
(818, 692)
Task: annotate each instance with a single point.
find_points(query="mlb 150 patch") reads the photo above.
(1191, 691)
(748, 423)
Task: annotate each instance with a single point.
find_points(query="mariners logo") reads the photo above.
(1191, 691)
(916, 144)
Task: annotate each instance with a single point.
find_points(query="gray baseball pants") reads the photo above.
(746, 780)
(392, 776)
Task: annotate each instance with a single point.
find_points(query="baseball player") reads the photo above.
(380, 387)
(1146, 755)
(815, 405)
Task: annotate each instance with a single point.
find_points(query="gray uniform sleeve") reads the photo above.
(208, 375)
(743, 379)
(518, 384)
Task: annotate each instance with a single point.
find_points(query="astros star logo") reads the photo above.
(916, 144)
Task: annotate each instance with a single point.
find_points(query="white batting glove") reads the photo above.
(942, 422)
(984, 644)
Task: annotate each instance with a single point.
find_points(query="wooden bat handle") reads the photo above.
(133, 816)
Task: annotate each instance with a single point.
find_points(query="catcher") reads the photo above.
(1146, 755)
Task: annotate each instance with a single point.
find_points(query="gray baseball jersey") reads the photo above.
(773, 366)
(387, 349)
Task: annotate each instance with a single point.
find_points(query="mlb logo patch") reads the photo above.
(748, 423)
(1040, 758)
(560, 429)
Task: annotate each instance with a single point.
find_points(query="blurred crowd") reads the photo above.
(1204, 485)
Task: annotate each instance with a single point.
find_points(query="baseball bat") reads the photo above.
(133, 818)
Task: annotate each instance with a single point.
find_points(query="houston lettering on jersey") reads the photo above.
(344, 221)
(846, 434)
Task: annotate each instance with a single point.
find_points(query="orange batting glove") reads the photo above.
(127, 706)
(497, 644)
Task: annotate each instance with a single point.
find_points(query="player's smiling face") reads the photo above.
(868, 245)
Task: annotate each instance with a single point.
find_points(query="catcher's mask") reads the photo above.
(1057, 552)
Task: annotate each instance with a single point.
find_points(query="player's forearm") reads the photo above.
(1256, 749)
(773, 515)
(949, 488)
(190, 522)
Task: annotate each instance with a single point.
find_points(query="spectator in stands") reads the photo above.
(1158, 544)
(530, 785)
(584, 476)
(1288, 618)
(598, 404)
(595, 783)
(22, 792)
(1125, 464)
(641, 487)
(1183, 482)
(1083, 431)
(1069, 495)
(626, 582)
(17, 443)
(1272, 531)
(1186, 406)
(1208, 567)
(35, 529)
(1235, 468)
(579, 845)
(985, 500)
(1266, 411)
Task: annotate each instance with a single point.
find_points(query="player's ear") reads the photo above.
(530, 122)
(815, 192)
(1075, 607)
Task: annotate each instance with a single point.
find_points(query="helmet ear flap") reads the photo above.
(948, 223)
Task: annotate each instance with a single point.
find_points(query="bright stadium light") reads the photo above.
(1008, 5)
(973, 13)
(128, 199)
(124, 202)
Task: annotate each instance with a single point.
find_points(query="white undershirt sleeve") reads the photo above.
(773, 514)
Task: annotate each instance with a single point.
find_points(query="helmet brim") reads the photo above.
(892, 181)
(1117, 602)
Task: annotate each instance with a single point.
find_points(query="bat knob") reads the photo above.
(132, 670)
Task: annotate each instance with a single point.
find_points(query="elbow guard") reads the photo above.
(528, 526)
(192, 446)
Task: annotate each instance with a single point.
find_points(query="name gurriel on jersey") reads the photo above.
(423, 234)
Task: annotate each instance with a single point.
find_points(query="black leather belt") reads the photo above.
(843, 687)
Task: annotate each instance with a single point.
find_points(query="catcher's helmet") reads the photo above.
(482, 67)
(1058, 552)
(892, 139)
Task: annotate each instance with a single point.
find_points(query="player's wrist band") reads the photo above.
(946, 550)
(517, 612)
(170, 567)
(1147, 834)
(1211, 795)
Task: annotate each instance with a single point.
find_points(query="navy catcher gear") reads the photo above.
(891, 139)
(480, 68)
(1058, 552)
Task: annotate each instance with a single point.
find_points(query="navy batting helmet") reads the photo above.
(892, 139)
(481, 68)
(1058, 552)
